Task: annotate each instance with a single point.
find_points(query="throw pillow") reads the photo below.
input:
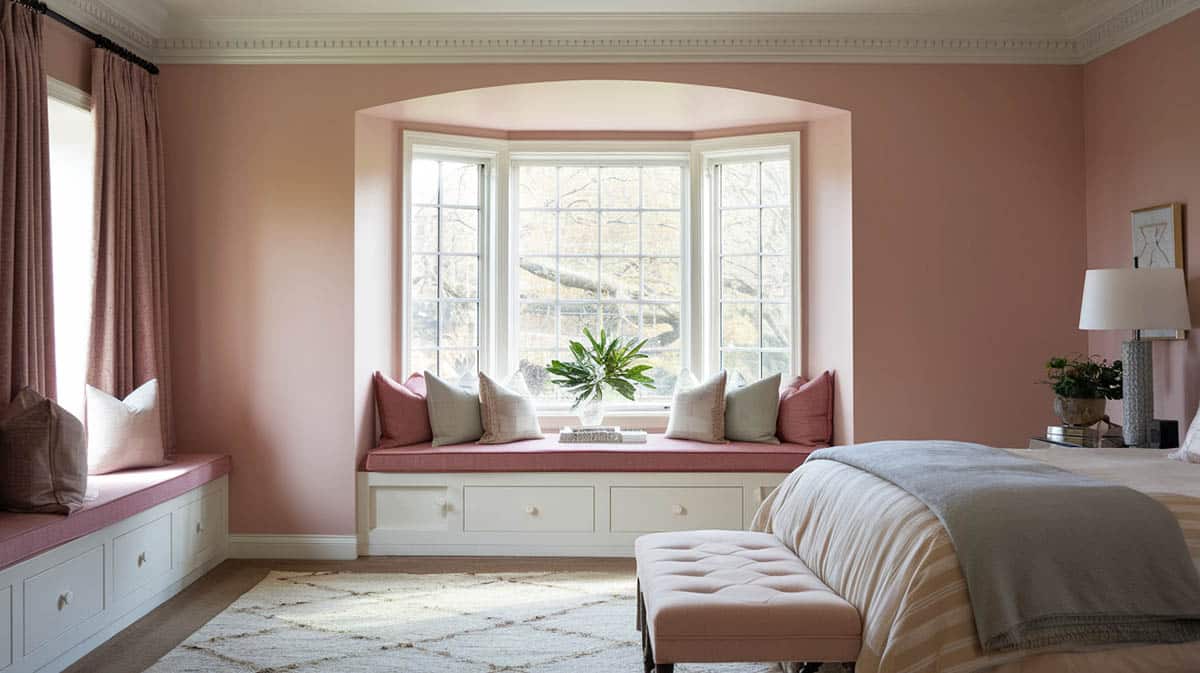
(1189, 451)
(507, 415)
(453, 412)
(698, 413)
(124, 434)
(403, 411)
(43, 457)
(806, 411)
(752, 410)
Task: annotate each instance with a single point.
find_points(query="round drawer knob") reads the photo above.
(64, 599)
(141, 559)
(678, 510)
(531, 510)
(199, 528)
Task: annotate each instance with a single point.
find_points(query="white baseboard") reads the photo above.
(311, 547)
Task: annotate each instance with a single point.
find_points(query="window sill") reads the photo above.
(648, 420)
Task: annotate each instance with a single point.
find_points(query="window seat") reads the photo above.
(658, 454)
(119, 495)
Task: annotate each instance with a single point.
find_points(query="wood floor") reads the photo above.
(146, 640)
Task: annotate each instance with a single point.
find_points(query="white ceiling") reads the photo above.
(377, 31)
(603, 105)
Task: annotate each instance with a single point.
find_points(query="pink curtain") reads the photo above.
(129, 310)
(26, 293)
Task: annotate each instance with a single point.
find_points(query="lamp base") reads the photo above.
(1138, 391)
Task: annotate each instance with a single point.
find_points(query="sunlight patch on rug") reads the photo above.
(333, 622)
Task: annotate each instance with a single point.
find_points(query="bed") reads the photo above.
(887, 554)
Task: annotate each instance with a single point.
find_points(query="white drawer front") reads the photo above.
(411, 508)
(141, 555)
(543, 509)
(201, 526)
(61, 597)
(647, 509)
(6, 627)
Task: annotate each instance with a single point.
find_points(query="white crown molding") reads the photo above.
(1087, 31)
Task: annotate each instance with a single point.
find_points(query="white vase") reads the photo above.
(590, 412)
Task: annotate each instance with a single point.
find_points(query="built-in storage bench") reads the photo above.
(542, 498)
(68, 584)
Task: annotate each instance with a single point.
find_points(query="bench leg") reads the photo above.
(641, 607)
(647, 649)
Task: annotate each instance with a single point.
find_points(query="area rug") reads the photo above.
(329, 622)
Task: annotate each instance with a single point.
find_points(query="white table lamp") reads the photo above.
(1135, 299)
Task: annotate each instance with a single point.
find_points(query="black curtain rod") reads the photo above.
(100, 40)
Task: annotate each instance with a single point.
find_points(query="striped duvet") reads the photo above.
(888, 555)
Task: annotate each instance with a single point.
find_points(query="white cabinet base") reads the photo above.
(546, 513)
(66, 601)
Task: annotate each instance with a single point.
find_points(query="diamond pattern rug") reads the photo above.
(330, 622)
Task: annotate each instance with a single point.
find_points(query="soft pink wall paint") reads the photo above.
(828, 263)
(967, 244)
(1142, 148)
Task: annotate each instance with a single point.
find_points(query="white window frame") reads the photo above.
(499, 303)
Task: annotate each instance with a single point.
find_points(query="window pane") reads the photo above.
(424, 181)
(661, 187)
(620, 319)
(776, 327)
(777, 278)
(459, 324)
(621, 278)
(660, 324)
(619, 233)
(743, 363)
(774, 362)
(458, 366)
(538, 326)
(424, 229)
(538, 279)
(665, 373)
(574, 317)
(424, 324)
(739, 277)
(460, 184)
(578, 278)
(739, 184)
(460, 230)
(538, 187)
(661, 233)
(579, 187)
(460, 277)
(619, 186)
(662, 278)
(424, 276)
(532, 365)
(777, 230)
(775, 183)
(579, 233)
(423, 360)
(739, 232)
(739, 325)
(537, 232)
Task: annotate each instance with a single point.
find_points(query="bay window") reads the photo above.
(511, 249)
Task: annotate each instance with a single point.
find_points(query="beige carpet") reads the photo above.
(343, 622)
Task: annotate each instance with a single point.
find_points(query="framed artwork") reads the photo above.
(1158, 244)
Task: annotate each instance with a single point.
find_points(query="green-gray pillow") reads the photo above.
(752, 410)
(453, 412)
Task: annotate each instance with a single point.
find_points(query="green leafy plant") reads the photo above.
(604, 362)
(1084, 378)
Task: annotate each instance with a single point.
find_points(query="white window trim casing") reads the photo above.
(700, 351)
(67, 93)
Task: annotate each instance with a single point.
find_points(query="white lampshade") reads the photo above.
(1134, 299)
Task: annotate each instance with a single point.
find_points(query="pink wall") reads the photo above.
(828, 263)
(1142, 148)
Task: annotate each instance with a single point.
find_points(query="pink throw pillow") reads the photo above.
(403, 412)
(806, 411)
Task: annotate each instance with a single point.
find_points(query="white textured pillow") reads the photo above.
(698, 413)
(124, 434)
(508, 414)
(453, 412)
(1189, 451)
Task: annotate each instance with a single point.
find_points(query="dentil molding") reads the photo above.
(729, 37)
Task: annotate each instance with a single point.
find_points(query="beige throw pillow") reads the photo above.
(124, 434)
(43, 457)
(453, 411)
(698, 413)
(508, 412)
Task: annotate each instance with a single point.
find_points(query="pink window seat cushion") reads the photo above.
(658, 454)
(119, 495)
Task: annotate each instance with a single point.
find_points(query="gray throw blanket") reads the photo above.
(1050, 557)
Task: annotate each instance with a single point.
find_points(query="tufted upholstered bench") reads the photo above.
(736, 596)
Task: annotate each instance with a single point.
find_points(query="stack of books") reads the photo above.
(1073, 434)
(601, 434)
